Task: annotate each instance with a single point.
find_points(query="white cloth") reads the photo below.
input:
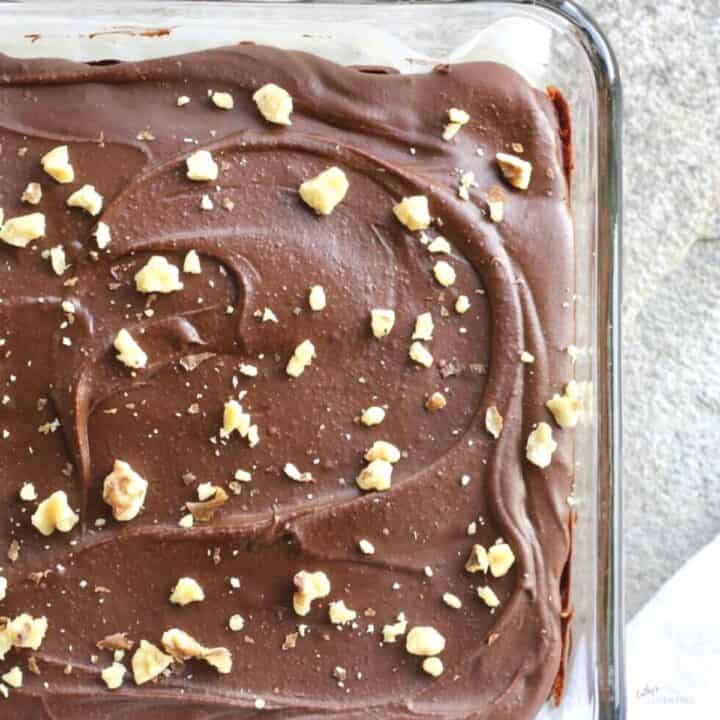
(673, 645)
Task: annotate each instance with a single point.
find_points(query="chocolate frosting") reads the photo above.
(261, 246)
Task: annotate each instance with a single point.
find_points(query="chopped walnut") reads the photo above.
(201, 167)
(566, 408)
(392, 632)
(424, 641)
(204, 511)
(56, 163)
(308, 588)
(540, 445)
(382, 321)
(383, 450)
(493, 421)
(124, 490)
(478, 560)
(58, 261)
(316, 298)
(192, 362)
(113, 675)
(102, 235)
(13, 677)
(3, 587)
(274, 104)
(28, 492)
(294, 474)
(433, 666)
(501, 558)
(435, 402)
(223, 100)
(424, 327)
(366, 547)
(86, 198)
(373, 415)
(22, 230)
(439, 245)
(376, 476)
(457, 118)
(184, 647)
(452, 601)
(148, 662)
(488, 596)
(301, 358)
(236, 623)
(527, 357)
(186, 591)
(32, 195)
(340, 614)
(420, 354)
(54, 513)
(515, 170)
(182, 101)
(413, 212)
(496, 203)
(462, 304)
(129, 352)
(235, 419)
(191, 263)
(325, 191)
(116, 641)
(444, 273)
(25, 631)
(158, 276)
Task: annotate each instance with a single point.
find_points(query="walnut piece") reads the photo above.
(566, 408)
(301, 358)
(420, 354)
(444, 273)
(540, 445)
(376, 476)
(373, 415)
(3, 587)
(392, 632)
(488, 596)
(382, 321)
(186, 591)
(86, 198)
(25, 631)
(56, 163)
(54, 513)
(201, 167)
(235, 419)
(309, 586)
(366, 547)
(13, 677)
(493, 421)
(124, 490)
(478, 560)
(325, 191)
(129, 352)
(424, 327)
(223, 100)
(462, 304)
(496, 203)
(293, 473)
(501, 558)
(113, 675)
(32, 195)
(274, 104)
(22, 230)
(58, 261)
(184, 647)
(191, 263)
(452, 601)
(413, 212)
(340, 614)
(527, 357)
(433, 666)
(457, 118)
(158, 276)
(204, 511)
(148, 662)
(515, 170)
(28, 492)
(424, 641)
(316, 298)
(102, 235)
(435, 402)
(439, 245)
(383, 450)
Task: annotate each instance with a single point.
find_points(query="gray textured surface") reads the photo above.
(669, 55)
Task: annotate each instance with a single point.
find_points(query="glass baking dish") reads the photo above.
(551, 42)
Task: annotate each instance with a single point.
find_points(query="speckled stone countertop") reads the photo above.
(670, 67)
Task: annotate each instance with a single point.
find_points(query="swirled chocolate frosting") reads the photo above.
(70, 409)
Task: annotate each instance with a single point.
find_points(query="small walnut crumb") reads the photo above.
(13, 677)
(444, 273)
(501, 559)
(236, 623)
(424, 641)
(235, 419)
(102, 235)
(366, 547)
(515, 170)
(186, 591)
(466, 182)
(457, 118)
(204, 511)
(309, 586)
(316, 298)
(290, 642)
(373, 415)
(25, 631)
(54, 513)
(22, 230)
(158, 276)
(186, 521)
(452, 601)
(301, 358)
(433, 666)
(192, 362)
(148, 662)
(247, 370)
(424, 327)
(420, 354)
(294, 474)
(86, 198)
(540, 445)
(383, 450)
(116, 641)
(439, 245)
(201, 166)
(566, 408)
(376, 476)
(274, 104)
(382, 321)
(58, 261)
(462, 304)
(493, 421)
(129, 352)
(527, 357)
(191, 263)
(206, 203)
(435, 402)
(488, 596)
(56, 163)
(13, 552)
(124, 490)
(496, 203)
(340, 614)
(413, 212)
(32, 195)
(395, 630)
(183, 100)
(325, 191)
(243, 476)
(223, 100)
(478, 560)
(28, 492)
(113, 676)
